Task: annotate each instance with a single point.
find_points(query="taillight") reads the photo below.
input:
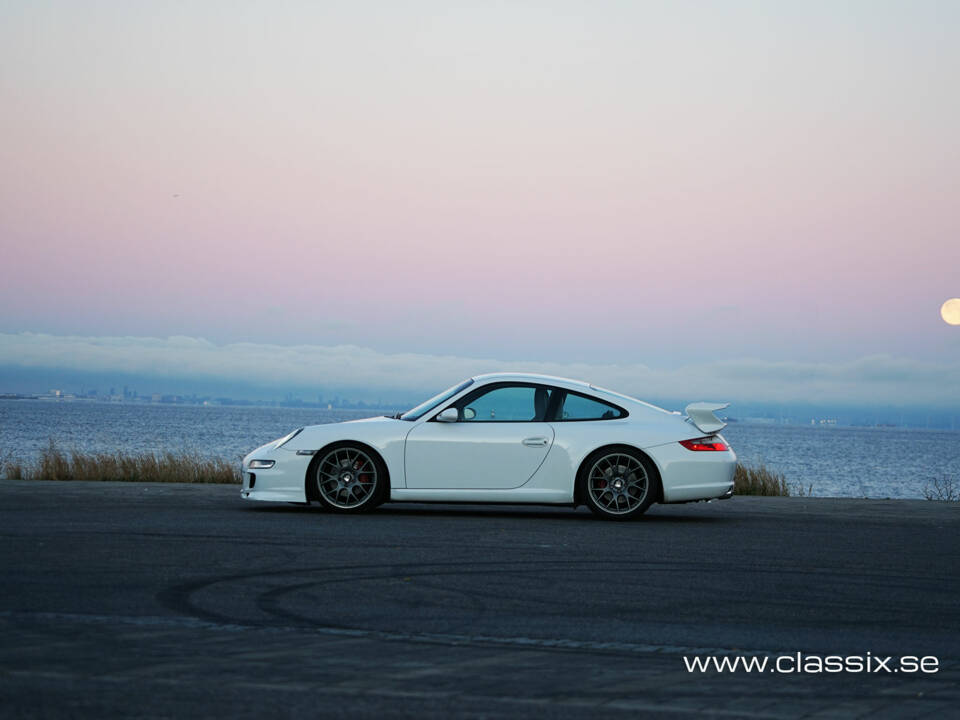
(704, 444)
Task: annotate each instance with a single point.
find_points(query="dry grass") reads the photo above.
(54, 464)
(10, 467)
(760, 481)
(942, 488)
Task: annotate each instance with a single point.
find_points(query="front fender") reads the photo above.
(385, 436)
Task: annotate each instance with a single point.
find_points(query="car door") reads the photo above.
(498, 442)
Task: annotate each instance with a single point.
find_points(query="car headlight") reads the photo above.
(287, 438)
(261, 464)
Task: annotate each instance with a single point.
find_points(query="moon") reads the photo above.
(950, 311)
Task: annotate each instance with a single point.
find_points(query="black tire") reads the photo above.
(618, 482)
(347, 477)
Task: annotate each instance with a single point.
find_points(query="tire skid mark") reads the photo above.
(180, 598)
(283, 590)
(270, 601)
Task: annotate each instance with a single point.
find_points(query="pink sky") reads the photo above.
(599, 182)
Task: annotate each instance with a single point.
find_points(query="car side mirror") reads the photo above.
(449, 415)
(469, 413)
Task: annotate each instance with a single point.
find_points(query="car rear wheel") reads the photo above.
(348, 477)
(618, 483)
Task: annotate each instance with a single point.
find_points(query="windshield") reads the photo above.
(425, 407)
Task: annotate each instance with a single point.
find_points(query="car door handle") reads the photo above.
(536, 442)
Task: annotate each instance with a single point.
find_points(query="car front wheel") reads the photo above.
(349, 478)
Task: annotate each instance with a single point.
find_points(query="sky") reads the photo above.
(745, 200)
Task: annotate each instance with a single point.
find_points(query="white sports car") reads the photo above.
(504, 438)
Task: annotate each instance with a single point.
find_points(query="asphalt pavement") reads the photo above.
(149, 600)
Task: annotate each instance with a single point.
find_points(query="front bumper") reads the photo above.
(284, 482)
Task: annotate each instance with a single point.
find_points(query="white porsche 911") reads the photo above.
(504, 438)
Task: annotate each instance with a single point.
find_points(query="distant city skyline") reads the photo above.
(745, 201)
(132, 396)
(183, 362)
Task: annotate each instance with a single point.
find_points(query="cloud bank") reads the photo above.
(875, 380)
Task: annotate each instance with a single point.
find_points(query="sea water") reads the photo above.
(827, 461)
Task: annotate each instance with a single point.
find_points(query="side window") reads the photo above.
(580, 407)
(506, 403)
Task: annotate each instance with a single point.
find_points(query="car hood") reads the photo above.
(374, 431)
(378, 419)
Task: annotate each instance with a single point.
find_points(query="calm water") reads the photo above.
(835, 461)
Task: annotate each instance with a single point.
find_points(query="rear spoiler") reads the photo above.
(702, 415)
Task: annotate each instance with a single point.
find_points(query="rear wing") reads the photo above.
(702, 415)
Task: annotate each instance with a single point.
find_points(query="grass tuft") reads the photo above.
(168, 467)
(10, 467)
(761, 481)
(942, 488)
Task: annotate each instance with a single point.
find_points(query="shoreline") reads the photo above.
(753, 476)
(797, 499)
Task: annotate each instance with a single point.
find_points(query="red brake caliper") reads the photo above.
(361, 477)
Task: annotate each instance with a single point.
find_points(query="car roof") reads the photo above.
(530, 377)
